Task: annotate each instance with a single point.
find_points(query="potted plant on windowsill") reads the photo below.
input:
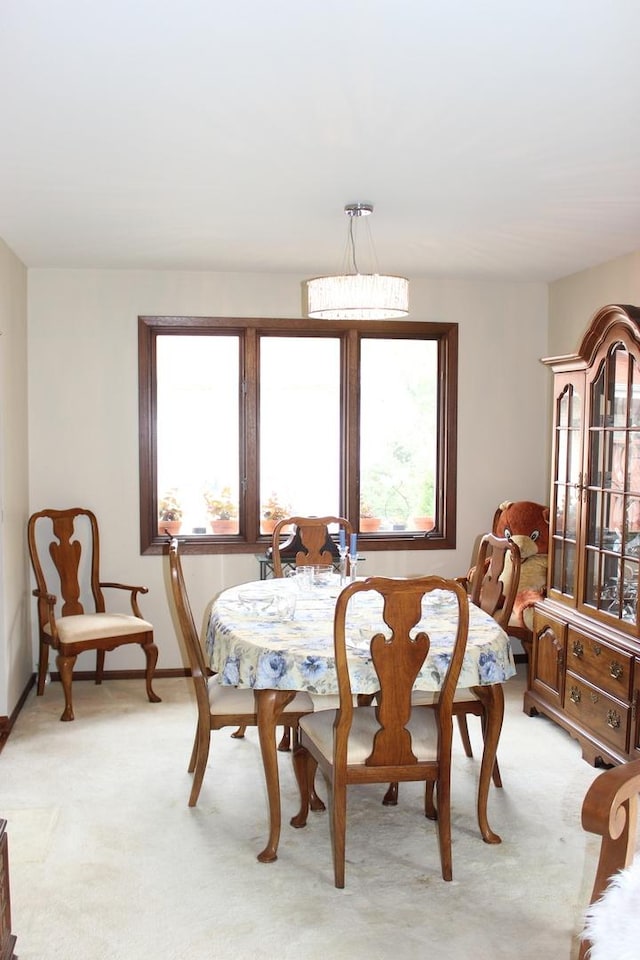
(369, 522)
(222, 510)
(169, 513)
(273, 511)
(423, 517)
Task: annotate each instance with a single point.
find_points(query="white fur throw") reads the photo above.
(613, 922)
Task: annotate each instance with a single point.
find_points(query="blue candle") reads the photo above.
(354, 545)
(341, 538)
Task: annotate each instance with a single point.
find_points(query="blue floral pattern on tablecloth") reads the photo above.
(251, 649)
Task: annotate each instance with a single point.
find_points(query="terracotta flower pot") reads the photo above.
(423, 523)
(369, 524)
(268, 526)
(224, 526)
(169, 528)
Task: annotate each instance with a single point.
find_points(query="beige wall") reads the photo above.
(83, 443)
(84, 429)
(574, 299)
(16, 660)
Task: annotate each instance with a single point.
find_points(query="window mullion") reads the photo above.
(250, 419)
(351, 427)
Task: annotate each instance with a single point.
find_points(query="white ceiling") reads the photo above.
(496, 139)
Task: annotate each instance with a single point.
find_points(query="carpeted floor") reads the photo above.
(107, 862)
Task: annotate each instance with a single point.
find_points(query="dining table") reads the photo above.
(276, 637)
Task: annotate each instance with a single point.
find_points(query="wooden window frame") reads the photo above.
(249, 540)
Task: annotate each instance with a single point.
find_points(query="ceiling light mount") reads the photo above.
(355, 295)
(358, 209)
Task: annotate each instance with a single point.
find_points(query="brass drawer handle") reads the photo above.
(613, 719)
(575, 695)
(577, 648)
(616, 669)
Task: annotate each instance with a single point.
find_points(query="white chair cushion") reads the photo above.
(319, 728)
(97, 626)
(426, 698)
(226, 699)
(423, 698)
(328, 701)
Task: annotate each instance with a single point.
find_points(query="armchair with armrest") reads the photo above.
(610, 810)
(64, 547)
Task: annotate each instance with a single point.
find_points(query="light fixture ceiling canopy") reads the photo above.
(355, 295)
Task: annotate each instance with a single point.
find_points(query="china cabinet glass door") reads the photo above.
(567, 485)
(612, 527)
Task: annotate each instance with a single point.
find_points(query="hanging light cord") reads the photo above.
(352, 243)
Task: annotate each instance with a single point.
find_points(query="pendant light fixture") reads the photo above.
(355, 295)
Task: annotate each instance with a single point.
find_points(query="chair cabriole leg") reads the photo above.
(151, 653)
(463, 727)
(301, 761)
(99, 666)
(65, 668)
(390, 798)
(43, 666)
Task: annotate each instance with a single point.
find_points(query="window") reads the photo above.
(243, 421)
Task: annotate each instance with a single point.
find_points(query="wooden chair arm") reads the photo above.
(126, 586)
(610, 811)
(48, 601)
(49, 598)
(134, 591)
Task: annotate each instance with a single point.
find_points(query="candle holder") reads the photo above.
(353, 567)
(343, 551)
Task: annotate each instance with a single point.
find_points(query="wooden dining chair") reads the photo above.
(391, 740)
(64, 548)
(610, 810)
(309, 543)
(218, 705)
(485, 589)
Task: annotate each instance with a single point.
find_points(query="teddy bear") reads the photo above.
(527, 524)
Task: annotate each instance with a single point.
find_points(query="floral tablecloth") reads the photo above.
(257, 648)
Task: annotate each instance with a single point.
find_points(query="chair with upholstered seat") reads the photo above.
(218, 705)
(485, 590)
(391, 740)
(610, 810)
(64, 547)
(310, 542)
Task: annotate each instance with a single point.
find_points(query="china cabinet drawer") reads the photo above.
(607, 667)
(606, 717)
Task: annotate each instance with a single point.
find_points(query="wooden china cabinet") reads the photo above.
(585, 658)
(7, 940)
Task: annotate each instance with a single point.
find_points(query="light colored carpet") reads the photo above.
(107, 862)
